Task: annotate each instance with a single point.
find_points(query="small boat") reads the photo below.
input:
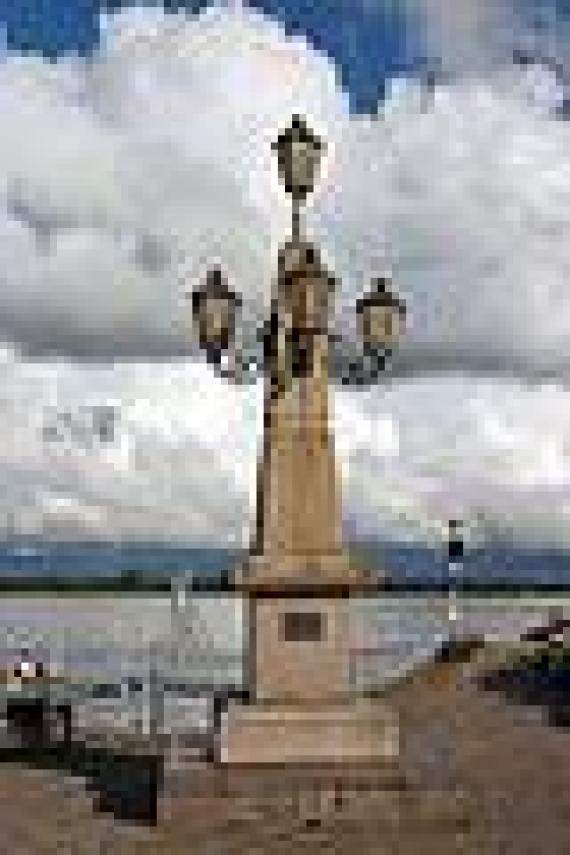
(556, 631)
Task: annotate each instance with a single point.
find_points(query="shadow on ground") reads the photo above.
(126, 785)
(541, 679)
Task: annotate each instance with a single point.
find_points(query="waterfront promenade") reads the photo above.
(476, 774)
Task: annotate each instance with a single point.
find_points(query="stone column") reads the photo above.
(298, 536)
(298, 514)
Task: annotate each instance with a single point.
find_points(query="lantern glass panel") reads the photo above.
(381, 324)
(217, 319)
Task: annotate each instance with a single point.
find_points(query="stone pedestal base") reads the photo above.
(356, 732)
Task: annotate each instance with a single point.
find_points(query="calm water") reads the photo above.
(142, 638)
(87, 634)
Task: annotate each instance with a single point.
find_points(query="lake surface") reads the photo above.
(200, 643)
(88, 633)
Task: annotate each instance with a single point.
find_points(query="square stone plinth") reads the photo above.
(355, 732)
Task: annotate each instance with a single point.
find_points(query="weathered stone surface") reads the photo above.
(273, 734)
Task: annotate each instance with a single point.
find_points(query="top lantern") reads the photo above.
(299, 153)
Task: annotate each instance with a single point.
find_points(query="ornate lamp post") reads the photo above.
(297, 579)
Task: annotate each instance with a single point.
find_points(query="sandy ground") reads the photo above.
(476, 775)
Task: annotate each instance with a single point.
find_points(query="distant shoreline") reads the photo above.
(80, 588)
(163, 587)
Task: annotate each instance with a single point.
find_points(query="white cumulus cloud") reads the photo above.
(123, 178)
(180, 461)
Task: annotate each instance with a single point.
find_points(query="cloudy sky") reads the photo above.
(135, 152)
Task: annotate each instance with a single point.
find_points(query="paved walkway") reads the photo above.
(482, 776)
